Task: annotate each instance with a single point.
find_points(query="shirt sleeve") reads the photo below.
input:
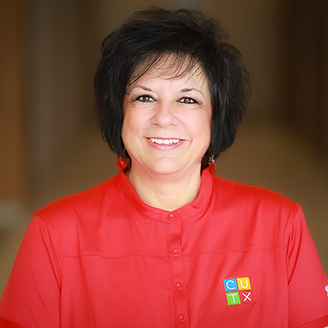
(308, 295)
(32, 294)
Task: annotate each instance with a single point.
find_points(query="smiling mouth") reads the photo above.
(164, 141)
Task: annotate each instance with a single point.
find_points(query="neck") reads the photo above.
(165, 191)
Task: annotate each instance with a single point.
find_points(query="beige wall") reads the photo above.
(46, 86)
(54, 86)
(13, 158)
(253, 26)
(49, 52)
(306, 82)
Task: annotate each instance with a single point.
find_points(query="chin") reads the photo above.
(165, 170)
(166, 167)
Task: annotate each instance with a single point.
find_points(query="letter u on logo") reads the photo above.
(244, 283)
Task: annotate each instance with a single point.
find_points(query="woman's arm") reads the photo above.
(307, 280)
(32, 294)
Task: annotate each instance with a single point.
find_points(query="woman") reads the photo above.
(165, 243)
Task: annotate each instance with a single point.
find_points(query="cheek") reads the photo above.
(125, 129)
(131, 128)
(209, 125)
(203, 129)
(207, 135)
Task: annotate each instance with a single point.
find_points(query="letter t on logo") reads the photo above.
(233, 298)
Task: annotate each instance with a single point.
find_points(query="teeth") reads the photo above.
(164, 141)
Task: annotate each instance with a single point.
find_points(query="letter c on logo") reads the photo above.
(233, 285)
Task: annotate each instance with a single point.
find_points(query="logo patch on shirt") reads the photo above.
(238, 290)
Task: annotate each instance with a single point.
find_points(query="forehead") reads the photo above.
(169, 67)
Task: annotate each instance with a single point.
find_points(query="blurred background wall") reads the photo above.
(49, 142)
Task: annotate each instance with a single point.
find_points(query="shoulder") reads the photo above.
(255, 196)
(257, 209)
(82, 204)
(76, 220)
(262, 216)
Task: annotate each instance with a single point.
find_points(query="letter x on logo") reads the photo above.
(247, 297)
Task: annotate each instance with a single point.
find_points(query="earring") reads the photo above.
(121, 164)
(212, 165)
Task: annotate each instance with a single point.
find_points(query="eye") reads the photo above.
(187, 100)
(144, 98)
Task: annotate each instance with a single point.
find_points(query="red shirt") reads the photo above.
(238, 256)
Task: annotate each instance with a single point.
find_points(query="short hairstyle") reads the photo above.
(150, 36)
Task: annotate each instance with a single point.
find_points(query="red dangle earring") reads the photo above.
(121, 164)
(212, 165)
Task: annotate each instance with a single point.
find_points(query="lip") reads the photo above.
(165, 144)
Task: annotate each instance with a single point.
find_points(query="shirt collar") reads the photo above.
(189, 211)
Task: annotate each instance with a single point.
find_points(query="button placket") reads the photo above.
(178, 286)
(176, 259)
(181, 318)
(175, 253)
(171, 217)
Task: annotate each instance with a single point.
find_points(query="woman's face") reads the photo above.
(167, 121)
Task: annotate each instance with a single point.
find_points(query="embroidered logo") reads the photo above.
(238, 290)
(326, 289)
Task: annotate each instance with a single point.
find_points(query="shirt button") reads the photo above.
(175, 253)
(171, 217)
(181, 318)
(178, 286)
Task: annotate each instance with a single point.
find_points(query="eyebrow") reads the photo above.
(148, 89)
(190, 89)
(139, 86)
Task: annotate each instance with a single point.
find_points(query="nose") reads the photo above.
(164, 115)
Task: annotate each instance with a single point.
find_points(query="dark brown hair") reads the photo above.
(149, 36)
